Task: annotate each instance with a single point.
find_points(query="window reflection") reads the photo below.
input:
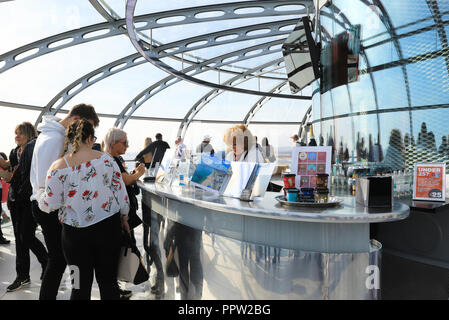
(396, 113)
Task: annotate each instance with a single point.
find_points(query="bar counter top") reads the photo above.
(268, 207)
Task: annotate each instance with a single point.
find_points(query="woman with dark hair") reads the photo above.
(87, 188)
(19, 205)
(267, 151)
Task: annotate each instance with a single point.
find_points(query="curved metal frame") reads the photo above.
(258, 105)
(123, 64)
(119, 24)
(435, 11)
(157, 87)
(153, 58)
(305, 121)
(110, 15)
(205, 99)
(150, 21)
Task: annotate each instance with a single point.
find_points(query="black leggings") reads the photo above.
(94, 248)
(1, 210)
(24, 232)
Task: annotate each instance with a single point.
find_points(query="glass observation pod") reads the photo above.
(366, 81)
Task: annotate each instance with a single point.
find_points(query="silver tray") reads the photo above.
(332, 202)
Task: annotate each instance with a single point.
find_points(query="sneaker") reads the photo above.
(4, 241)
(17, 284)
(125, 294)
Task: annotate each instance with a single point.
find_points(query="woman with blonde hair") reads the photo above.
(242, 145)
(19, 205)
(116, 143)
(87, 188)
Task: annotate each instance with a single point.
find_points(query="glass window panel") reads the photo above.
(276, 109)
(425, 21)
(394, 137)
(344, 139)
(381, 54)
(37, 81)
(420, 44)
(9, 123)
(429, 82)
(327, 109)
(362, 94)
(390, 88)
(341, 102)
(430, 131)
(405, 11)
(138, 130)
(28, 21)
(358, 13)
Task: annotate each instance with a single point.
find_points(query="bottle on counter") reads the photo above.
(394, 176)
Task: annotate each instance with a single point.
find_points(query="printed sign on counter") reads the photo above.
(307, 162)
(429, 181)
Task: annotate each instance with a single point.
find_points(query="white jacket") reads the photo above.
(254, 155)
(48, 147)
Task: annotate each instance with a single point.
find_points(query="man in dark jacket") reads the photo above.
(157, 148)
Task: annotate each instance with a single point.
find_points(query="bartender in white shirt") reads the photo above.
(242, 145)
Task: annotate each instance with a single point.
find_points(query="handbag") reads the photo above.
(131, 268)
(133, 219)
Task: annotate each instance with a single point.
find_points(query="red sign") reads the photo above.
(429, 181)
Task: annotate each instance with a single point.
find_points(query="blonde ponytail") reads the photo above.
(78, 137)
(75, 135)
(66, 147)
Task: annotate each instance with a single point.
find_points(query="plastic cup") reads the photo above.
(289, 181)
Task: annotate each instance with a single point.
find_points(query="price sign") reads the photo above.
(429, 181)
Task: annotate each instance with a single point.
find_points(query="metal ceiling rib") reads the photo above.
(109, 115)
(437, 17)
(149, 21)
(214, 63)
(110, 15)
(259, 104)
(190, 115)
(82, 83)
(161, 19)
(153, 57)
(133, 60)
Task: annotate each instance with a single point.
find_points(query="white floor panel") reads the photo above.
(31, 291)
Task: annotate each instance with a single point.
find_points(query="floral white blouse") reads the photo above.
(85, 194)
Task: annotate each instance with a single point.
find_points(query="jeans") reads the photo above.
(51, 228)
(24, 231)
(95, 248)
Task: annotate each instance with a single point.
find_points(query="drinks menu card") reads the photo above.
(307, 162)
(429, 181)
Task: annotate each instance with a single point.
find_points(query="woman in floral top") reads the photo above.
(87, 188)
